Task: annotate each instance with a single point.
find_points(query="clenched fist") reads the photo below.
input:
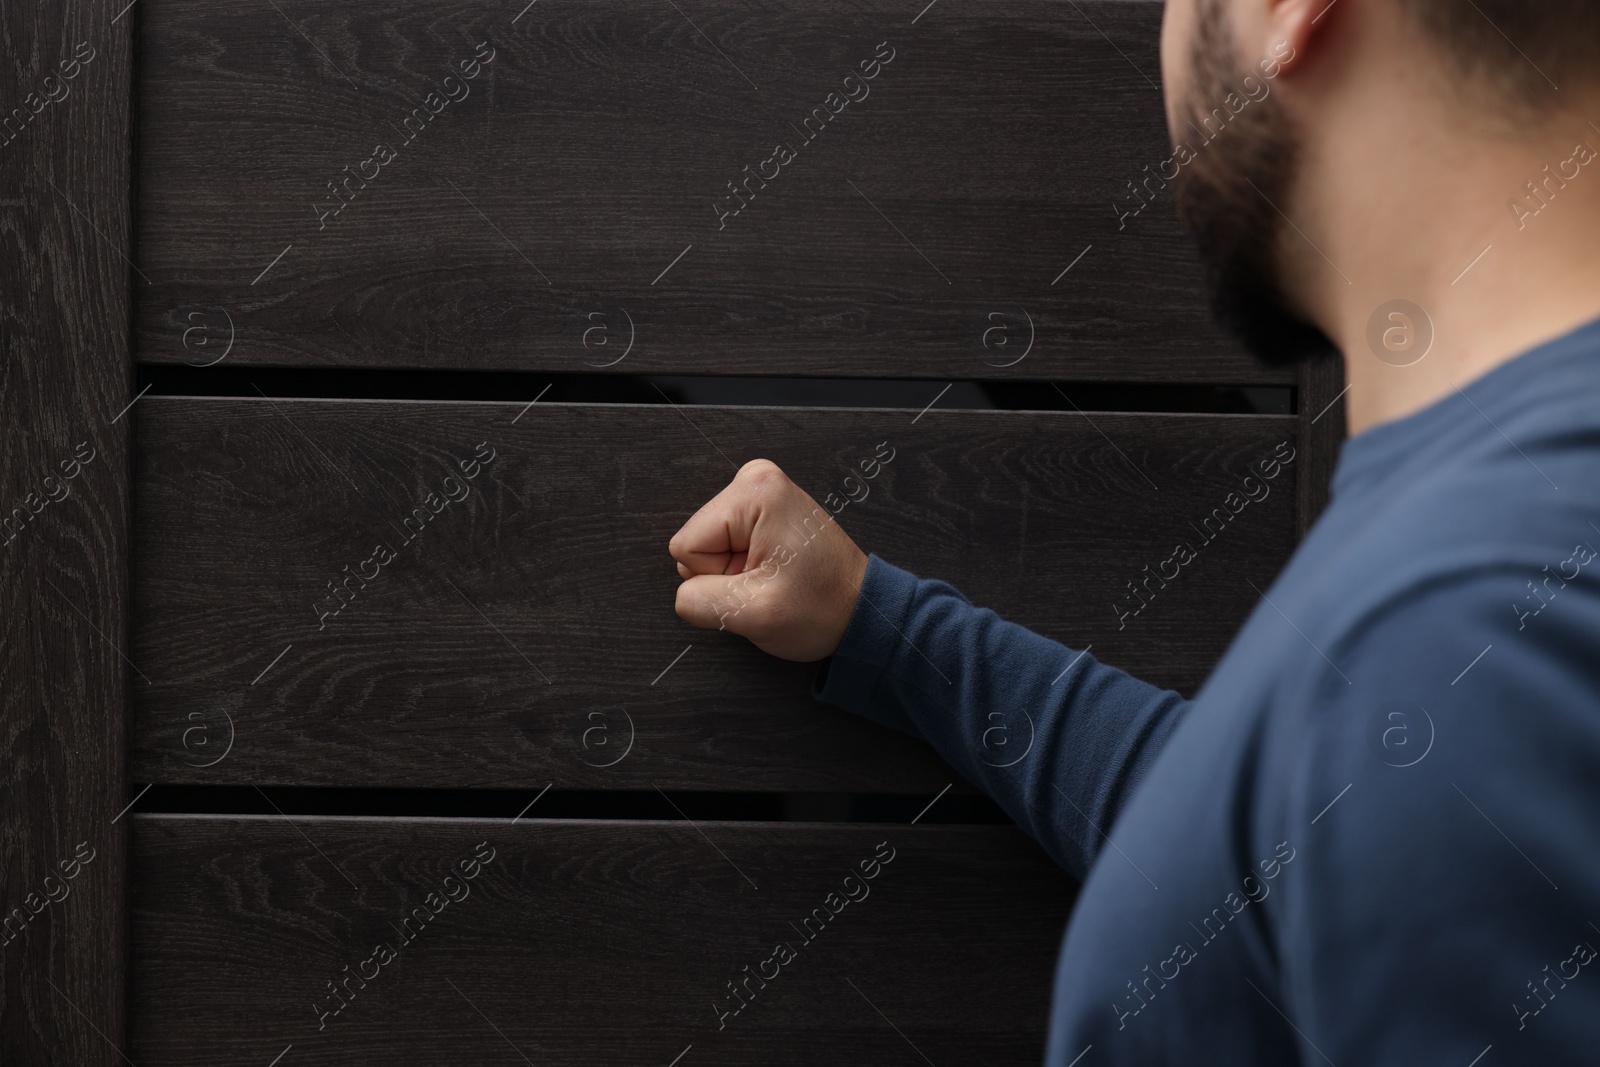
(765, 561)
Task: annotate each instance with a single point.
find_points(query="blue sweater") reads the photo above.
(1372, 839)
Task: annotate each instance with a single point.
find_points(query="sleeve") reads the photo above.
(1448, 787)
(1058, 739)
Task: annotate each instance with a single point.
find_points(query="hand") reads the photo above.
(766, 561)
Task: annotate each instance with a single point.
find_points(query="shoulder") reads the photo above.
(1442, 791)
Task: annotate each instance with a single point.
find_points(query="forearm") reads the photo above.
(1056, 737)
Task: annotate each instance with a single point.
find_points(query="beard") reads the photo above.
(1225, 199)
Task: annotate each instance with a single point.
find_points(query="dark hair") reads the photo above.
(1520, 50)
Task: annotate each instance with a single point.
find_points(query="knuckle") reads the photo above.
(761, 472)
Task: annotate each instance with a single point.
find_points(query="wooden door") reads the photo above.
(361, 363)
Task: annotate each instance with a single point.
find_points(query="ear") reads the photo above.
(1293, 30)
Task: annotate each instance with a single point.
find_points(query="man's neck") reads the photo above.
(1438, 231)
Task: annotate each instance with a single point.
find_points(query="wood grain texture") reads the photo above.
(482, 653)
(65, 78)
(587, 156)
(1322, 430)
(586, 943)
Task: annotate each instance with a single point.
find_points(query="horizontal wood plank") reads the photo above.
(525, 633)
(561, 206)
(586, 943)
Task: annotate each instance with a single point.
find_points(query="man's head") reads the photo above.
(1248, 82)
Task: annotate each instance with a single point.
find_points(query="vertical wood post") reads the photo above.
(65, 373)
(1321, 432)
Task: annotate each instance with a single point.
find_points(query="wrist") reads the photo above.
(848, 596)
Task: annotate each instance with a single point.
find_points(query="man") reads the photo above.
(1373, 837)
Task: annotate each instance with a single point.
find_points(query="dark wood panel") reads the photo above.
(1322, 429)
(540, 605)
(587, 943)
(65, 77)
(929, 222)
